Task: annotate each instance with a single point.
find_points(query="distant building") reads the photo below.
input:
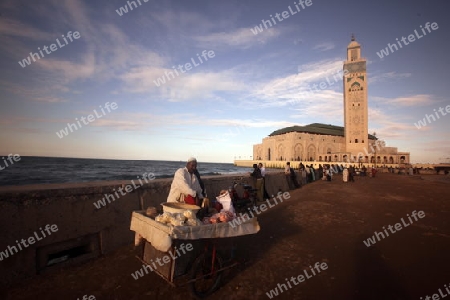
(329, 143)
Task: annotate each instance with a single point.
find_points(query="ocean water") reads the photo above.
(36, 170)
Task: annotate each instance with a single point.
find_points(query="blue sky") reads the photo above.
(216, 111)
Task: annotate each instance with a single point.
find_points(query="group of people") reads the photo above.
(308, 174)
(188, 187)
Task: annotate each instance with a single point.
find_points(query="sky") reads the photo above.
(242, 83)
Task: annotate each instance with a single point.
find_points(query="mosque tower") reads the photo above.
(356, 122)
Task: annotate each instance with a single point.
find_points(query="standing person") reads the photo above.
(324, 173)
(256, 174)
(263, 174)
(302, 173)
(308, 174)
(320, 175)
(185, 186)
(313, 173)
(287, 174)
(374, 171)
(364, 171)
(345, 174)
(351, 174)
(329, 173)
(294, 178)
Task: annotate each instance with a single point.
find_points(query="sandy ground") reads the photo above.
(322, 222)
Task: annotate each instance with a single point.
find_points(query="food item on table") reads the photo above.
(185, 218)
(166, 217)
(151, 211)
(222, 217)
(188, 214)
(194, 222)
(179, 217)
(230, 215)
(176, 222)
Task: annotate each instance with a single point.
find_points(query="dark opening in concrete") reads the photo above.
(68, 252)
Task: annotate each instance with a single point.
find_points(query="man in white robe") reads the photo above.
(345, 174)
(185, 184)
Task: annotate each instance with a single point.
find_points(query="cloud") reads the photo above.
(187, 86)
(382, 123)
(388, 77)
(324, 46)
(414, 100)
(316, 82)
(40, 92)
(102, 53)
(241, 38)
(15, 28)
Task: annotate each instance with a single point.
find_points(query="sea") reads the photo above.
(39, 170)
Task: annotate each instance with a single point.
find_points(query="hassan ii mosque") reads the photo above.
(328, 143)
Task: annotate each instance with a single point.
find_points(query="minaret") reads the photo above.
(355, 101)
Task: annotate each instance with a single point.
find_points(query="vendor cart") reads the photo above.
(191, 255)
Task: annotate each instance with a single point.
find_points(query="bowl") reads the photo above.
(176, 207)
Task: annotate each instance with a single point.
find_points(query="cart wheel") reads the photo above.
(207, 279)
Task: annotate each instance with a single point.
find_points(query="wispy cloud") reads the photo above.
(324, 46)
(240, 38)
(414, 100)
(188, 86)
(10, 27)
(388, 77)
(386, 126)
(299, 88)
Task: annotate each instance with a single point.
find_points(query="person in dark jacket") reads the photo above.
(259, 186)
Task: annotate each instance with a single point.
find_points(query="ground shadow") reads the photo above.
(375, 280)
(252, 248)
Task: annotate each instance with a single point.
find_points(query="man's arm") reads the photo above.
(200, 181)
(196, 186)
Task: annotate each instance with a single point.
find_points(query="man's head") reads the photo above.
(191, 165)
(260, 165)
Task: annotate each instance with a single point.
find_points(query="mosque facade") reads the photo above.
(335, 144)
